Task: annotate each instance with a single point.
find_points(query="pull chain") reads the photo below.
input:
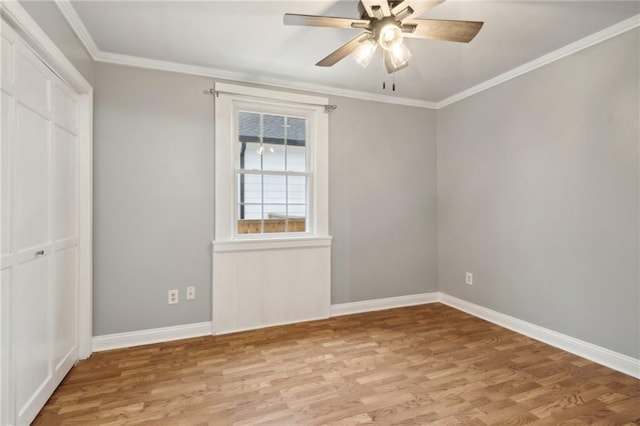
(393, 83)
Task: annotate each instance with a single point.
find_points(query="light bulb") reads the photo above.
(365, 52)
(390, 36)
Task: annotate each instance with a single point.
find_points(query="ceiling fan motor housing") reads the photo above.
(363, 12)
(387, 32)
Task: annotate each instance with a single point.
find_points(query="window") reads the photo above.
(271, 167)
(272, 172)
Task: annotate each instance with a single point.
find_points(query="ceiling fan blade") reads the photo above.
(343, 51)
(323, 21)
(415, 8)
(376, 8)
(389, 66)
(435, 29)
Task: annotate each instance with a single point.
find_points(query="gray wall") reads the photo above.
(54, 24)
(382, 209)
(153, 189)
(153, 198)
(538, 183)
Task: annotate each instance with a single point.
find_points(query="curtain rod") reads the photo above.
(327, 107)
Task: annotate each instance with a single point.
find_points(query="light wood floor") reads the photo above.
(428, 364)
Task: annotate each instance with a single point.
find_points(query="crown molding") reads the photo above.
(74, 20)
(70, 14)
(98, 55)
(563, 52)
(136, 61)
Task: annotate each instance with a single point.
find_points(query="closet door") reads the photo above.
(39, 232)
(32, 299)
(65, 230)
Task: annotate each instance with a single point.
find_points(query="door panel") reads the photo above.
(64, 110)
(31, 175)
(32, 337)
(65, 304)
(32, 83)
(6, 62)
(64, 185)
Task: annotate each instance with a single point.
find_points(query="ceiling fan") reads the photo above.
(385, 23)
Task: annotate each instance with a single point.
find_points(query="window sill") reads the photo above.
(270, 244)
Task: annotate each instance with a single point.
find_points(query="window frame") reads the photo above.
(228, 98)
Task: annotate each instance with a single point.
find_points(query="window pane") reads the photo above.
(249, 190)
(273, 129)
(296, 131)
(275, 189)
(250, 226)
(248, 140)
(249, 157)
(296, 158)
(297, 190)
(248, 127)
(297, 220)
(275, 218)
(273, 157)
(296, 144)
(252, 211)
(249, 203)
(297, 199)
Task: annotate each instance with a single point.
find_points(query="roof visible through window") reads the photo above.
(273, 129)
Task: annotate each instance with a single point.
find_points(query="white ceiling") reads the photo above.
(249, 38)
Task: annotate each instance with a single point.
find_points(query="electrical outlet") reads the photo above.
(191, 293)
(173, 296)
(469, 278)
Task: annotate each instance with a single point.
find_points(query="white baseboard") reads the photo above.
(617, 361)
(166, 334)
(154, 335)
(608, 358)
(380, 304)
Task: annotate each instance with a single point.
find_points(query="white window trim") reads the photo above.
(226, 98)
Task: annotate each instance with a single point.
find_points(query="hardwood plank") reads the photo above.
(428, 364)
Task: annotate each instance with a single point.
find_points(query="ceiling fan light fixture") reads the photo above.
(399, 56)
(390, 36)
(365, 52)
